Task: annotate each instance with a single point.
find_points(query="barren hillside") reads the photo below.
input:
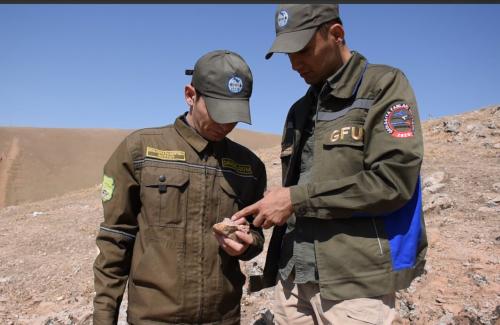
(38, 163)
(47, 247)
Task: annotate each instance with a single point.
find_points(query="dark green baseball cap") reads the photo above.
(296, 24)
(225, 81)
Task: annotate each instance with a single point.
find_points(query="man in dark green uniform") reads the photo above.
(349, 228)
(163, 190)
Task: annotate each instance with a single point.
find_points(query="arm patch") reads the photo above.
(107, 188)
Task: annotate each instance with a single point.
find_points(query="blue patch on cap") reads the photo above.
(235, 85)
(282, 18)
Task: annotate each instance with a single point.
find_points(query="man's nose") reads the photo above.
(294, 60)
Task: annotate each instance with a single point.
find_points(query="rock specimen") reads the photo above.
(228, 228)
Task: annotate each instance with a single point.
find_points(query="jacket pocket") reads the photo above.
(340, 153)
(157, 280)
(354, 240)
(164, 194)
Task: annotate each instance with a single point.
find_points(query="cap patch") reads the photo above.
(235, 84)
(282, 18)
(107, 188)
(398, 121)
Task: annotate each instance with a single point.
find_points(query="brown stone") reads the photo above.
(228, 228)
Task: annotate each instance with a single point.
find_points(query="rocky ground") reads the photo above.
(47, 247)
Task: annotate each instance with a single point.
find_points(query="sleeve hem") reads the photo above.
(299, 197)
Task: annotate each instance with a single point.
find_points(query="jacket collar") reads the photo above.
(345, 81)
(193, 138)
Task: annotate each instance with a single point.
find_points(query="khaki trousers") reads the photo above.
(296, 304)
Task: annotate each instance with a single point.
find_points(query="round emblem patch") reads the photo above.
(398, 121)
(235, 84)
(282, 18)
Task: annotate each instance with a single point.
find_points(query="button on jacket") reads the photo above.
(166, 188)
(362, 205)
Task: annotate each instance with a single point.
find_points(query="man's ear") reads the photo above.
(337, 31)
(189, 95)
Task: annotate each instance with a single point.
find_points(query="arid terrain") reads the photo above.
(40, 163)
(48, 246)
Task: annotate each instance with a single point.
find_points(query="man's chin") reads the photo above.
(308, 81)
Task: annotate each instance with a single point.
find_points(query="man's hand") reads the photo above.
(273, 209)
(232, 247)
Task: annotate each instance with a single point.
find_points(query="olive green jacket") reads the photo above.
(363, 203)
(163, 190)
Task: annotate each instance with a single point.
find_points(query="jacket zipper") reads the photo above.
(205, 159)
(378, 238)
(315, 122)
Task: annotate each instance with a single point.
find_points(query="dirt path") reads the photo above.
(6, 163)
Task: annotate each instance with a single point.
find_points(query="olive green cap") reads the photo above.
(296, 24)
(225, 81)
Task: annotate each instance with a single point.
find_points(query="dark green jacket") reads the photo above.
(164, 188)
(363, 203)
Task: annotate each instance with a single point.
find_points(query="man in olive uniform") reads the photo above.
(349, 225)
(163, 190)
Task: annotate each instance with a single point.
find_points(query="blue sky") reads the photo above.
(122, 66)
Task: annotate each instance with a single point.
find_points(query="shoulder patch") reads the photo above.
(107, 188)
(165, 154)
(398, 121)
(239, 168)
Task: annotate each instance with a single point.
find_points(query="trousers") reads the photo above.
(297, 304)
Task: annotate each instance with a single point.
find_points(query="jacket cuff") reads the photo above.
(104, 318)
(252, 250)
(299, 197)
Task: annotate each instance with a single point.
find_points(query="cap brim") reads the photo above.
(291, 42)
(228, 110)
